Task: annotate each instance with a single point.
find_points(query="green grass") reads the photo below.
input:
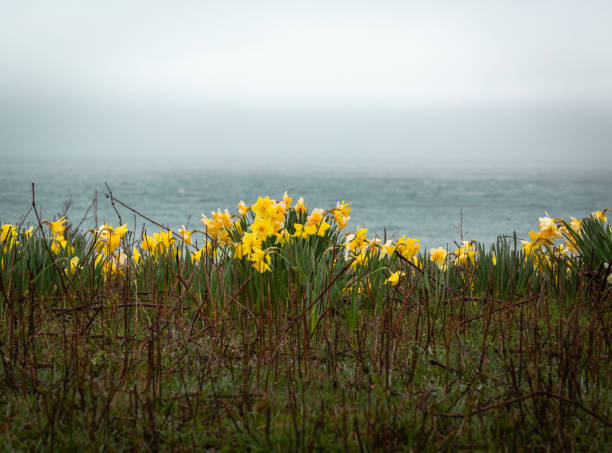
(172, 354)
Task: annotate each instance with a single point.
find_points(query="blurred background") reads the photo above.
(435, 119)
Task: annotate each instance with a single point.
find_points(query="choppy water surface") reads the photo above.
(420, 204)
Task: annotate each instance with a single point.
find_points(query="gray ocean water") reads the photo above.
(419, 202)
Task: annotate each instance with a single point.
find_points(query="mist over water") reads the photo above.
(537, 139)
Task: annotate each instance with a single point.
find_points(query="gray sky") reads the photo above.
(91, 63)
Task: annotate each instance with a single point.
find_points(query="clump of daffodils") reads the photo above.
(217, 226)
(158, 243)
(9, 235)
(466, 254)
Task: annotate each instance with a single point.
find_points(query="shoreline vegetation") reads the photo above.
(280, 328)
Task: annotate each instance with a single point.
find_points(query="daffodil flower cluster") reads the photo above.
(217, 227)
(258, 229)
(159, 243)
(8, 238)
(466, 254)
(9, 233)
(364, 251)
(107, 244)
(544, 243)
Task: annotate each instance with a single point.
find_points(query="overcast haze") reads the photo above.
(485, 82)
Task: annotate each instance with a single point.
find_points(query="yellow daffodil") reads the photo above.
(224, 218)
(394, 278)
(529, 248)
(287, 200)
(374, 242)
(282, 237)
(387, 249)
(300, 207)
(343, 209)
(356, 241)
(72, 266)
(58, 244)
(115, 237)
(576, 225)
(8, 233)
(103, 235)
(57, 228)
(243, 209)
(251, 241)
(185, 235)
(536, 237)
(361, 259)
(262, 227)
(224, 237)
(600, 215)
(315, 217)
(238, 227)
(341, 214)
(212, 228)
(161, 242)
(322, 227)
(407, 247)
(548, 228)
(197, 255)
(240, 250)
(261, 260)
(109, 238)
(263, 207)
(438, 256)
(342, 221)
(278, 213)
(303, 231)
(248, 243)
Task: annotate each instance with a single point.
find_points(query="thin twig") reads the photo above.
(113, 199)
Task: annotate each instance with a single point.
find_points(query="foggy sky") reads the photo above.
(334, 78)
